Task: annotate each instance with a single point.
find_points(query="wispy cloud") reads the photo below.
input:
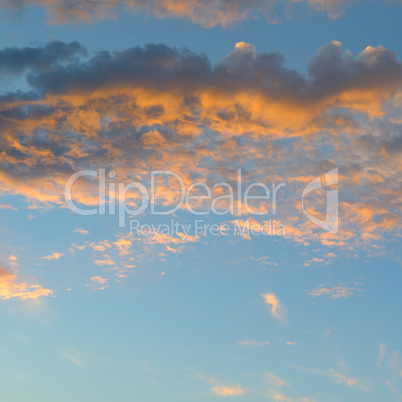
(335, 292)
(277, 310)
(7, 206)
(336, 377)
(53, 256)
(381, 353)
(342, 379)
(280, 397)
(228, 390)
(253, 343)
(218, 387)
(73, 356)
(81, 231)
(274, 380)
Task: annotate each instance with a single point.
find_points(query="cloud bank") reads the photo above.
(155, 107)
(207, 13)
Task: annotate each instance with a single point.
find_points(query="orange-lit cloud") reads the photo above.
(13, 288)
(174, 110)
(54, 256)
(277, 309)
(100, 282)
(206, 13)
(335, 292)
(228, 390)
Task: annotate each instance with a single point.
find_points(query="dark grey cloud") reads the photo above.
(330, 72)
(16, 61)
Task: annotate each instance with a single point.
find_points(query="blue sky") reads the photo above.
(94, 312)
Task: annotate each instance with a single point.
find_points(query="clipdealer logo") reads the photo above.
(235, 198)
(326, 180)
(112, 197)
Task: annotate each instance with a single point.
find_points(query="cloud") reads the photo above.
(106, 261)
(395, 363)
(54, 256)
(336, 377)
(253, 343)
(7, 206)
(13, 288)
(123, 244)
(275, 380)
(218, 388)
(228, 390)
(381, 353)
(206, 13)
(81, 231)
(15, 61)
(156, 107)
(100, 282)
(99, 279)
(341, 379)
(335, 292)
(74, 357)
(277, 309)
(13, 261)
(279, 397)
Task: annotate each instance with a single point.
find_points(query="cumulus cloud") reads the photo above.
(15, 61)
(207, 13)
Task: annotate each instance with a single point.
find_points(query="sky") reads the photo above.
(200, 200)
